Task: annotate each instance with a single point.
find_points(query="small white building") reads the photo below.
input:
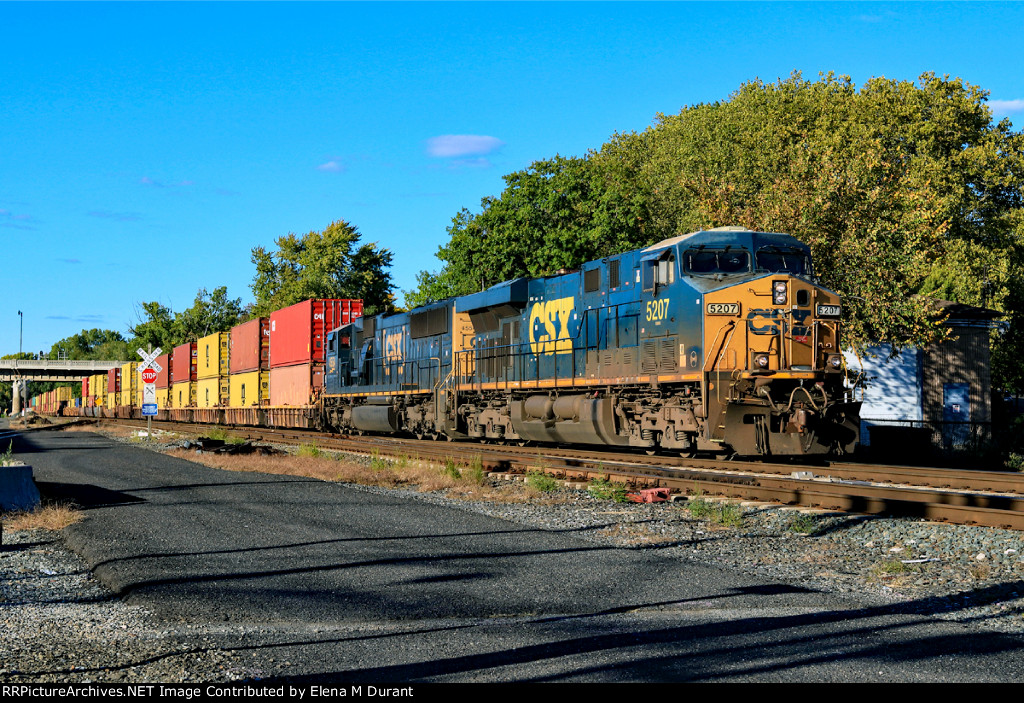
(937, 397)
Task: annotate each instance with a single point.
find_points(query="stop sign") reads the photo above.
(149, 376)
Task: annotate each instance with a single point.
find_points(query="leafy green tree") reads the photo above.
(328, 264)
(211, 312)
(89, 344)
(156, 327)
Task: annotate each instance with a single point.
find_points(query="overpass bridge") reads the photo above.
(51, 370)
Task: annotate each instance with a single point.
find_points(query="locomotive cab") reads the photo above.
(774, 369)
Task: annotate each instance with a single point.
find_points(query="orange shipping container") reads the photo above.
(295, 385)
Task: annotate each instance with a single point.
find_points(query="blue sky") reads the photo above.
(146, 148)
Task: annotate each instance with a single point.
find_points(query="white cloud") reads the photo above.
(332, 166)
(1006, 105)
(450, 145)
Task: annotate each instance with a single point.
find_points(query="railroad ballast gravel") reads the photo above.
(61, 625)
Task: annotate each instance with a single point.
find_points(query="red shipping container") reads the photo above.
(114, 380)
(184, 363)
(250, 346)
(295, 385)
(85, 387)
(163, 378)
(298, 333)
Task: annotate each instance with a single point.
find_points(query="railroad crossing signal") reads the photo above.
(149, 361)
(149, 375)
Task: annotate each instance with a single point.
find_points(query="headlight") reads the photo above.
(834, 362)
(760, 362)
(779, 292)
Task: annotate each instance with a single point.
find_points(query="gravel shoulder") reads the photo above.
(61, 624)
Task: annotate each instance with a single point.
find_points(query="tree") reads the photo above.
(156, 327)
(211, 312)
(328, 264)
(89, 344)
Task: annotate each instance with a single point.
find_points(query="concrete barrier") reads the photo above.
(17, 489)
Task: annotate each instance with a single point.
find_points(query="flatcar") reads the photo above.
(720, 341)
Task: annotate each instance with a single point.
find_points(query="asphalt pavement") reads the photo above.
(322, 582)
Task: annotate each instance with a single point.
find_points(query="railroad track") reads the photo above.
(986, 498)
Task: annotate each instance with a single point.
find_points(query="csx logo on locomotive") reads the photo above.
(549, 326)
(775, 318)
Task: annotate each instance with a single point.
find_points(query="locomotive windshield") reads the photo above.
(777, 259)
(728, 260)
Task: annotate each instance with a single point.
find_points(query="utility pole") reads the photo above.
(21, 329)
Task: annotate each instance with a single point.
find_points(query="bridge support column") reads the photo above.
(17, 390)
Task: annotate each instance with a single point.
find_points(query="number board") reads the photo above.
(723, 308)
(828, 310)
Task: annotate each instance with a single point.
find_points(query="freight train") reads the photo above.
(720, 341)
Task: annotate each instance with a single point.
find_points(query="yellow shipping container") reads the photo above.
(161, 397)
(65, 393)
(212, 392)
(130, 378)
(213, 355)
(249, 389)
(183, 395)
(111, 400)
(98, 387)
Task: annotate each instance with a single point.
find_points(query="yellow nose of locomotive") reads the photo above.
(774, 324)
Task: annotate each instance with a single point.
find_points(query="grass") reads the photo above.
(725, 514)
(7, 456)
(803, 523)
(603, 489)
(892, 567)
(47, 516)
(309, 449)
(728, 515)
(542, 482)
(699, 508)
(377, 463)
(450, 470)
(1015, 462)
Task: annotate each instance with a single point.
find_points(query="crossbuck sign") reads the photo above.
(149, 360)
(149, 369)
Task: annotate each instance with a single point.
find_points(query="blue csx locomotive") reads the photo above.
(717, 341)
